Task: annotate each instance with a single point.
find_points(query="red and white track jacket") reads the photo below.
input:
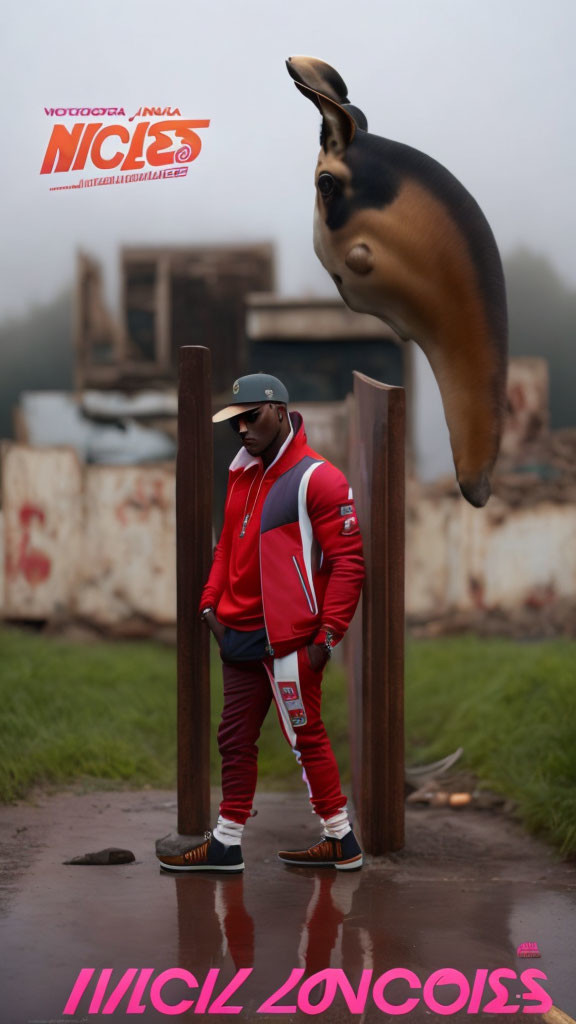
(310, 567)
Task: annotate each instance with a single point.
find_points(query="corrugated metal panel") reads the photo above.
(427, 573)
(101, 544)
(129, 555)
(459, 558)
(532, 551)
(42, 493)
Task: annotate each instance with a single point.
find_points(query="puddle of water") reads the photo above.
(271, 922)
(549, 919)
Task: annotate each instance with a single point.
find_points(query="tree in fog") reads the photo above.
(36, 354)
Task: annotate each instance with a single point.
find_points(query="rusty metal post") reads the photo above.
(193, 557)
(377, 656)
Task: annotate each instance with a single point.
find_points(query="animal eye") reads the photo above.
(326, 185)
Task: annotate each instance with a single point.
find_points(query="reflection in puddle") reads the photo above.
(311, 920)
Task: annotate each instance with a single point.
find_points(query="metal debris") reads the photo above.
(420, 775)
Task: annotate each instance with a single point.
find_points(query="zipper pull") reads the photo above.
(245, 524)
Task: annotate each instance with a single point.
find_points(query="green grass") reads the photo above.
(105, 714)
(512, 706)
(67, 711)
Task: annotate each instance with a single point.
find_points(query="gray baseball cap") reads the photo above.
(249, 392)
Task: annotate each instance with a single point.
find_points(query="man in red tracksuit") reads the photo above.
(284, 585)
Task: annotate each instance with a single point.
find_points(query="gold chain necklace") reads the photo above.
(247, 515)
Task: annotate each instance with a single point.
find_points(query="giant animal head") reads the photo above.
(405, 241)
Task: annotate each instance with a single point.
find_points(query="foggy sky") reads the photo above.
(485, 87)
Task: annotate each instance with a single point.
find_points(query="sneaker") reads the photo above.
(343, 854)
(211, 855)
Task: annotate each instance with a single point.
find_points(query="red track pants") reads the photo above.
(249, 688)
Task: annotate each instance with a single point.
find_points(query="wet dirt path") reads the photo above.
(466, 891)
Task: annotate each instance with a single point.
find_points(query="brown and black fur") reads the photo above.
(405, 241)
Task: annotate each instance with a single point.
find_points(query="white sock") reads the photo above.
(337, 826)
(228, 832)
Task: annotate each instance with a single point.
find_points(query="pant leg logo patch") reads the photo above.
(293, 703)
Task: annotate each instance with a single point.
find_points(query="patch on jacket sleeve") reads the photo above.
(349, 526)
(346, 510)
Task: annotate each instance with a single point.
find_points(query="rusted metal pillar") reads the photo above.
(377, 642)
(193, 558)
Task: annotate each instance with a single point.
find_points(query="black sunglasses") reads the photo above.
(249, 417)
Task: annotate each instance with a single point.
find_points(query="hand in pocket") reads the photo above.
(217, 628)
(317, 656)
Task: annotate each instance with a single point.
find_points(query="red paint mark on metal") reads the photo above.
(517, 398)
(540, 596)
(147, 494)
(36, 567)
(29, 512)
(30, 562)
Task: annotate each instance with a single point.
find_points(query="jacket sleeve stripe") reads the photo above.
(306, 532)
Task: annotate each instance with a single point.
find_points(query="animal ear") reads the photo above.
(338, 126)
(319, 76)
(357, 115)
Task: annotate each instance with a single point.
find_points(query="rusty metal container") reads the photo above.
(42, 536)
(129, 551)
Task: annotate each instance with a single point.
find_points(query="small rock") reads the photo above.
(111, 855)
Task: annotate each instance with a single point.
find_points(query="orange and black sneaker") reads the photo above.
(211, 855)
(343, 854)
